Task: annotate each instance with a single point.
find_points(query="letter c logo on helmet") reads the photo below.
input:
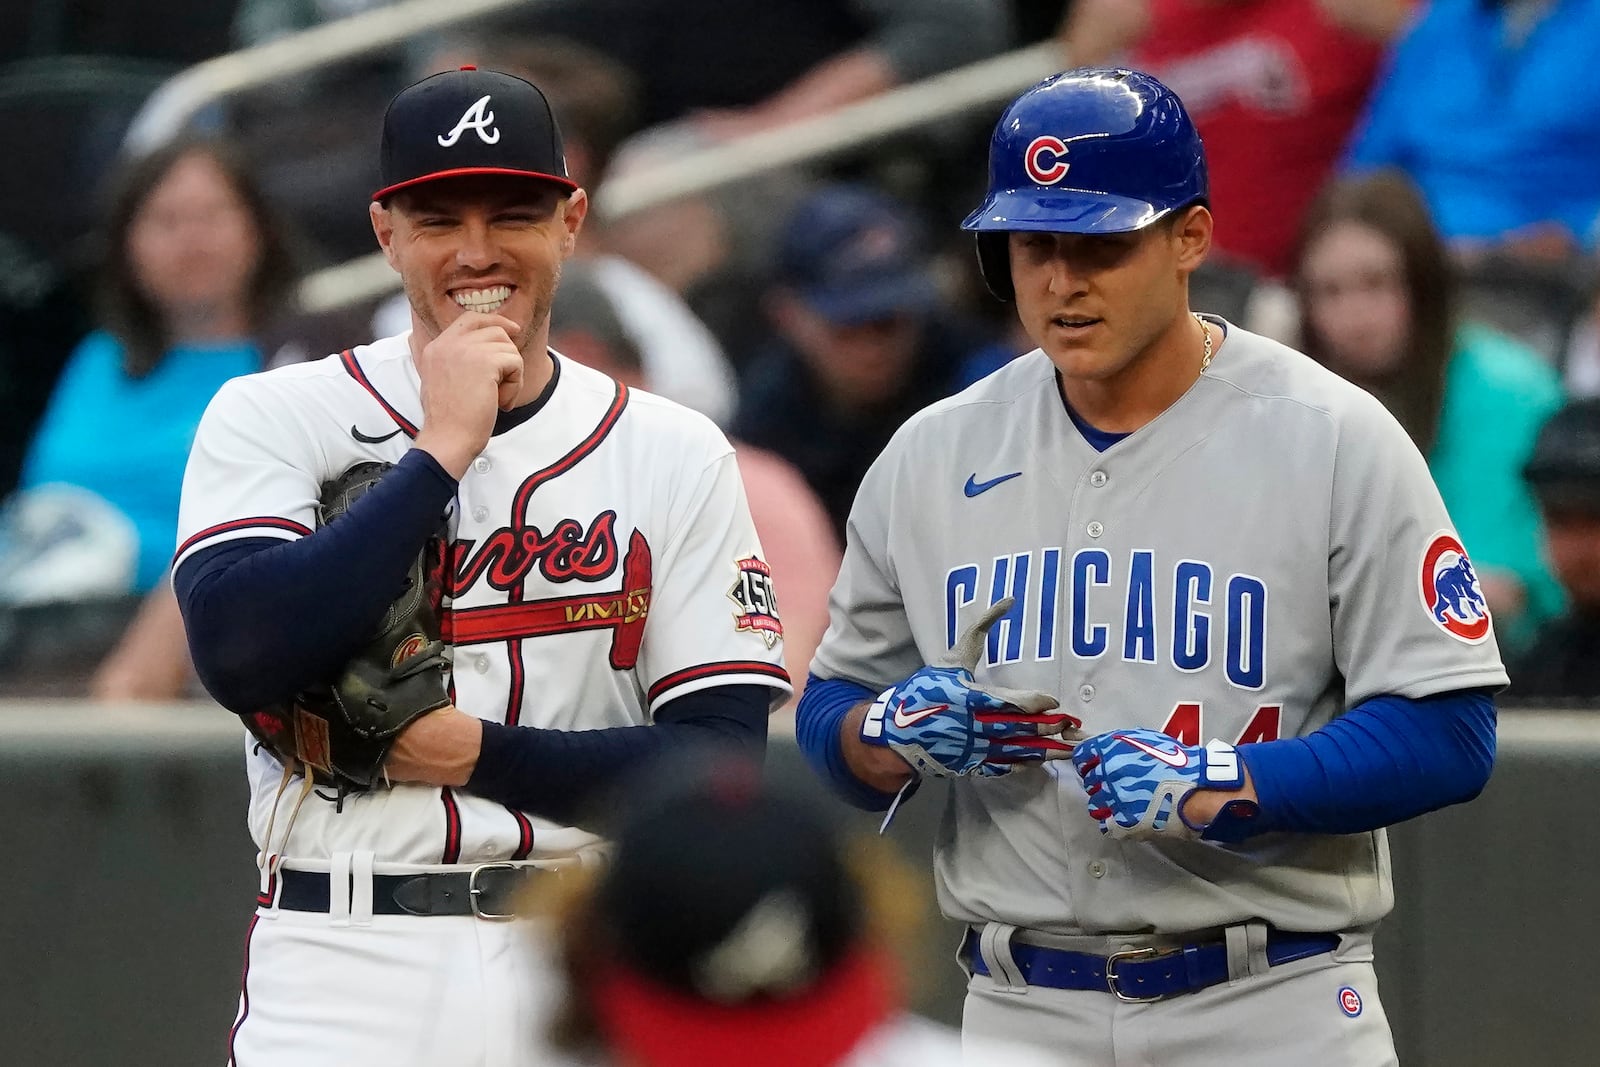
(1135, 158)
(1046, 147)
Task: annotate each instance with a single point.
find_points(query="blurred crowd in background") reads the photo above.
(1407, 190)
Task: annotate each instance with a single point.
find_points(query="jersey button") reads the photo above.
(1097, 479)
(1097, 869)
(480, 663)
(1094, 529)
(1085, 692)
(481, 465)
(480, 514)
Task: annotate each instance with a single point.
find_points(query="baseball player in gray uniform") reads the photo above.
(1176, 613)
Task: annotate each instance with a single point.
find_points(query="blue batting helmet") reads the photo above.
(1091, 150)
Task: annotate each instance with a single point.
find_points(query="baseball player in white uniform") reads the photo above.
(606, 600)
(1229, 568)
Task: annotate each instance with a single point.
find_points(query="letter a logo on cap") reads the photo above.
(476, 119)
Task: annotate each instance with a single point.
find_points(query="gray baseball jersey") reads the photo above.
(1267, 553)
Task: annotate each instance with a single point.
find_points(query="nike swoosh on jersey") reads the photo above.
(902, 720)
(974, 487)
(1175, 758)
(364, 439)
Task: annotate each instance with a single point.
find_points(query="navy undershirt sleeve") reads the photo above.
(818, 719)
(1384, 761)
(558, 773)
(266, 618)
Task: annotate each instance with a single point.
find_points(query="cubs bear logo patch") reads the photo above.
(758, 604)
(1450, 591)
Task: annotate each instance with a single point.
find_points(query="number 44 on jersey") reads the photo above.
(1186, 724)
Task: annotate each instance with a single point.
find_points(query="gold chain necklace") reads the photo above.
(1205, 328)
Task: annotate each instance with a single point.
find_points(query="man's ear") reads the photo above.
(574, 209)
(383, 229)
(1192, 233)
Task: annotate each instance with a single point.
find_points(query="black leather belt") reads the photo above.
(1145, 973)
(489, 891)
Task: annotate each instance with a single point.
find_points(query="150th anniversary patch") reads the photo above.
(758, 605)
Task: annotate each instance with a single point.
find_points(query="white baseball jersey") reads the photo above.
(1267, 553)
(603, 562)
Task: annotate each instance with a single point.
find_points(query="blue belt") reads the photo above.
(1146, 973)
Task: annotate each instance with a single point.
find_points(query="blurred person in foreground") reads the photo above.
(1379, 307)
(736, 924)
(858, 342)
(1563, 663)
(195, 264)
(801, 549)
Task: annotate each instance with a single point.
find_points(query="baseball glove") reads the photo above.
(340, 732)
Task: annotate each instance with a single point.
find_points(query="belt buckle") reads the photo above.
(1111, 973)
(475, 892)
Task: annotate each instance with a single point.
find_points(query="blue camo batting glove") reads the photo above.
(1137, 781)
(946, 725)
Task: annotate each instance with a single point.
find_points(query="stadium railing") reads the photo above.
(943, 96)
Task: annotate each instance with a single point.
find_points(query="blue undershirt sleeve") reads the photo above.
(817, 721)
(558, 773)
(266, 618)
(1384, 761)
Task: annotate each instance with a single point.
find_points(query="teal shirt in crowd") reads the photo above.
(1496, 396)
(127, 439)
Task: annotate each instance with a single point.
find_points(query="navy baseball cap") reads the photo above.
(855, 255)
(729, 929)
(469, 121)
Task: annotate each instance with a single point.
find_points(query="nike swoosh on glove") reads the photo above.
(946, 725)
(1137, 781)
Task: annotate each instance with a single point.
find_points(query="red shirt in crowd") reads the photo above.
(1275, 88)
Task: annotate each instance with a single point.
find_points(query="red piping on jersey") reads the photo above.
(707, 670)
(349, 360)
(525, 828)
(270, 521)
(244, 991)
(608, 422)
(518, 678)
(452, 826)
(519, 519)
